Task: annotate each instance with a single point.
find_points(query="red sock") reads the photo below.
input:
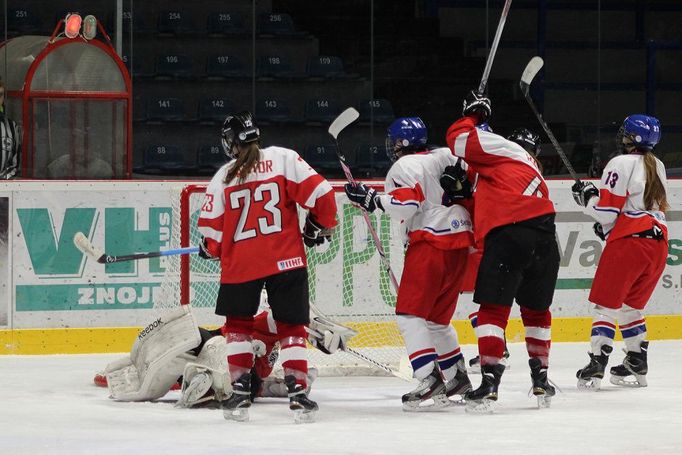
(492, 321)
(538, 333)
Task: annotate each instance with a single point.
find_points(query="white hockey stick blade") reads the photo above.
(532, 69)
(83, 244)
(344, 119)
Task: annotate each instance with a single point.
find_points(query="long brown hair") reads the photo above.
(654, 191)
(245, 163)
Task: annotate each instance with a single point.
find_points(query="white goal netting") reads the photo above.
(347, 283)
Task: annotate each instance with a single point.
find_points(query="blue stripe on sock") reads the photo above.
(423, 360)
(633, 331)
(447, 363)
(603, 332)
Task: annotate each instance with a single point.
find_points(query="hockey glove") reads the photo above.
(599, 230)
(328, 336)
(314, 234)
(362, 195)
(203, 251)
(455, 183)
(583, 192)
(476, 103)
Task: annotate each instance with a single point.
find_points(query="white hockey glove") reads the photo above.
(583, 192)
(326, 335)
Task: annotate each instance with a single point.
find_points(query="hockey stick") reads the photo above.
(493, 48)
(339, 124)
(84, 244)
(532, 69)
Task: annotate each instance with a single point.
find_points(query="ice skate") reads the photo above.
(460, 384)
(589, 377)
(197, 390)
(236, 406)
(475, 363)
(542, 388)
(634, 365)
(428, 396)
(482, 400)
(304, 408)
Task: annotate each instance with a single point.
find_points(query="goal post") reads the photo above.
(347, 282)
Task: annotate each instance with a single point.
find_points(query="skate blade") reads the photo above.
(433, 404)
(544, 401)
(623, 381)
(483, 406)
(240, 414)
(304, 416)
(590, 385)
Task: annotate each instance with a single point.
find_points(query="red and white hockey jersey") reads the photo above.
(510, 186)
(414, 194)
(254, 226)
(620, 205)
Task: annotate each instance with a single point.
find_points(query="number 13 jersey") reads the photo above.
(253, 226)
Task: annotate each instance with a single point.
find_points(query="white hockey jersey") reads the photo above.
(620, 205)
(414, 195)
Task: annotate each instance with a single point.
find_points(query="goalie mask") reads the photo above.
(238, 129)
(526, 139)
(404, 136)
(640, 132)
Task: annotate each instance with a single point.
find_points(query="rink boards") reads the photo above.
(54, 300)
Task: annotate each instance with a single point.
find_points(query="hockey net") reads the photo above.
(347, 284)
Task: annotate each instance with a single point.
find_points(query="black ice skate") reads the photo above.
(482, 400)
(589, 378)
(475, 363)
(460, 384)
(542, 388)
(304, 408)
(236, 406)
(428, 396)
(634, 364)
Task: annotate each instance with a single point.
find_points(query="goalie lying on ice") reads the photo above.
(172, 351)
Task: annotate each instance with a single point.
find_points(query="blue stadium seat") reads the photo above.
(225, 66)
(322, 157)
(378, 110)
(214, 109)
(23, 21)
(173, 65)
(274, 66)
(226, 23)
(163, 158)
(278, 24)
(210, 158)
(321, 110)
(325, 66)
(273, 110)
(165, 109)
(176, 22)
(371, 159)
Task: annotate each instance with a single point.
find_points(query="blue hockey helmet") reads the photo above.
(640, 131)
(405, 135)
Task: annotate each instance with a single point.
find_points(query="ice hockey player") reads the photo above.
(172, 350)
(514, 218)
(250, 223)
(438, 245)
(629, 208)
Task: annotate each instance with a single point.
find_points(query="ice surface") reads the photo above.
(48, 404)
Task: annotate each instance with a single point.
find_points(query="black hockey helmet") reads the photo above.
(238, 129)
(526, 139)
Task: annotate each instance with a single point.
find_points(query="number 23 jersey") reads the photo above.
(253, 226)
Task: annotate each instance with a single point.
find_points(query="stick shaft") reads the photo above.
(493, 47)
(108, 259)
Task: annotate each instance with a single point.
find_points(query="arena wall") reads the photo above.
(55, 300)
